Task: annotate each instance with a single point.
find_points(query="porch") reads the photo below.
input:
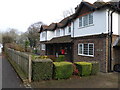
(56, 45)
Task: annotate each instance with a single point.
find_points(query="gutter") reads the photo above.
(110, 33)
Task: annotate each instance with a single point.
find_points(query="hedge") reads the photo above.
(84, 68)
(95, 68)
(42, 69)
(60, 58)
(62, 70)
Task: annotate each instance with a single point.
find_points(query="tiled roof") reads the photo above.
(64, 39)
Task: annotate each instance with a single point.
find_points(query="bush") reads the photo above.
(60, 58)
(39, 57)
(95, 68)
(62, 70)
(84, 68)
(42, 69)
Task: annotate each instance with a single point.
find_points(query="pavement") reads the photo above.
(9, 76)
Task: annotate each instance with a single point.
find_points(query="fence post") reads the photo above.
(30, 69)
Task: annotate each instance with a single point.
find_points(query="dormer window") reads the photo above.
(86, 20)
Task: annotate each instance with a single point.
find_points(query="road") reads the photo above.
(9, 76)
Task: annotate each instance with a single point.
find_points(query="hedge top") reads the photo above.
(42, 60)
(83, 63)
(62, 63)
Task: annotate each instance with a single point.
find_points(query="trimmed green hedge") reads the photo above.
(62, 70)
(95, 68)
(84, 68)
(42, 69)
(60, 58)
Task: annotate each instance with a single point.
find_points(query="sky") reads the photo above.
(20, 14)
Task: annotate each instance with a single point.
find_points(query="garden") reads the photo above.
(50, 68)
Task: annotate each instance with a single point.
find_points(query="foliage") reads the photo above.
(62, 70)
(33, 35)
(15, 47)
(95, 68)
(60, 58)
(84, 68)
(52, 57)
(39, 57)
(42, 70)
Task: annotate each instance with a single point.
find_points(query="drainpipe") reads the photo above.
(110, 43)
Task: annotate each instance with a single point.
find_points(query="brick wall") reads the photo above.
(99, 50)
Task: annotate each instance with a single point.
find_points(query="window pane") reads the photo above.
(80, 49)
(86, 49)
(91, 18)
(80, 22)
(85, 20)
(90, 49)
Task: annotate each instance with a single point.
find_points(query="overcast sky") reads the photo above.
(20, 14)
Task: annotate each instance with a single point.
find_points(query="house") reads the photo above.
(90, 34)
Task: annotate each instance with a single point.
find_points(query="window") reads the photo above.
(86, 49)
(42, 46)
(58, 32)
(80, 22)
(86, 20)
(69, 29)
(91, 18)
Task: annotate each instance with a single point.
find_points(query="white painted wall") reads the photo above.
(119, 24)
(115, 23)
(41, 37)
(99, 25)
(50, 35)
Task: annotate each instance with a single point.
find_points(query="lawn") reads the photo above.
(102, 80)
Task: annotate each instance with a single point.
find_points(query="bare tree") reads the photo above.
(67, 13)
(33, 35)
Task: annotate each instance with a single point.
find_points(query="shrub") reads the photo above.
(39, 57)
(42, 69)
(84, 68)
(15, 47)
(62, 70)
(95, 68)
(60, 58)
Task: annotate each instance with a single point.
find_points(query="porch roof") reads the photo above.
(63, 39)
(117, 42)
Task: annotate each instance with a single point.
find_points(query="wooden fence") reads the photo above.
(22, 59)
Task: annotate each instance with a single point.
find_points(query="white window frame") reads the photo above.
(83, 20)
(83, 49)
(43, 47)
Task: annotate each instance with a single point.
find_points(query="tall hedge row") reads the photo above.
(42, 69)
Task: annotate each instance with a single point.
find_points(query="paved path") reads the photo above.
(9, 76)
